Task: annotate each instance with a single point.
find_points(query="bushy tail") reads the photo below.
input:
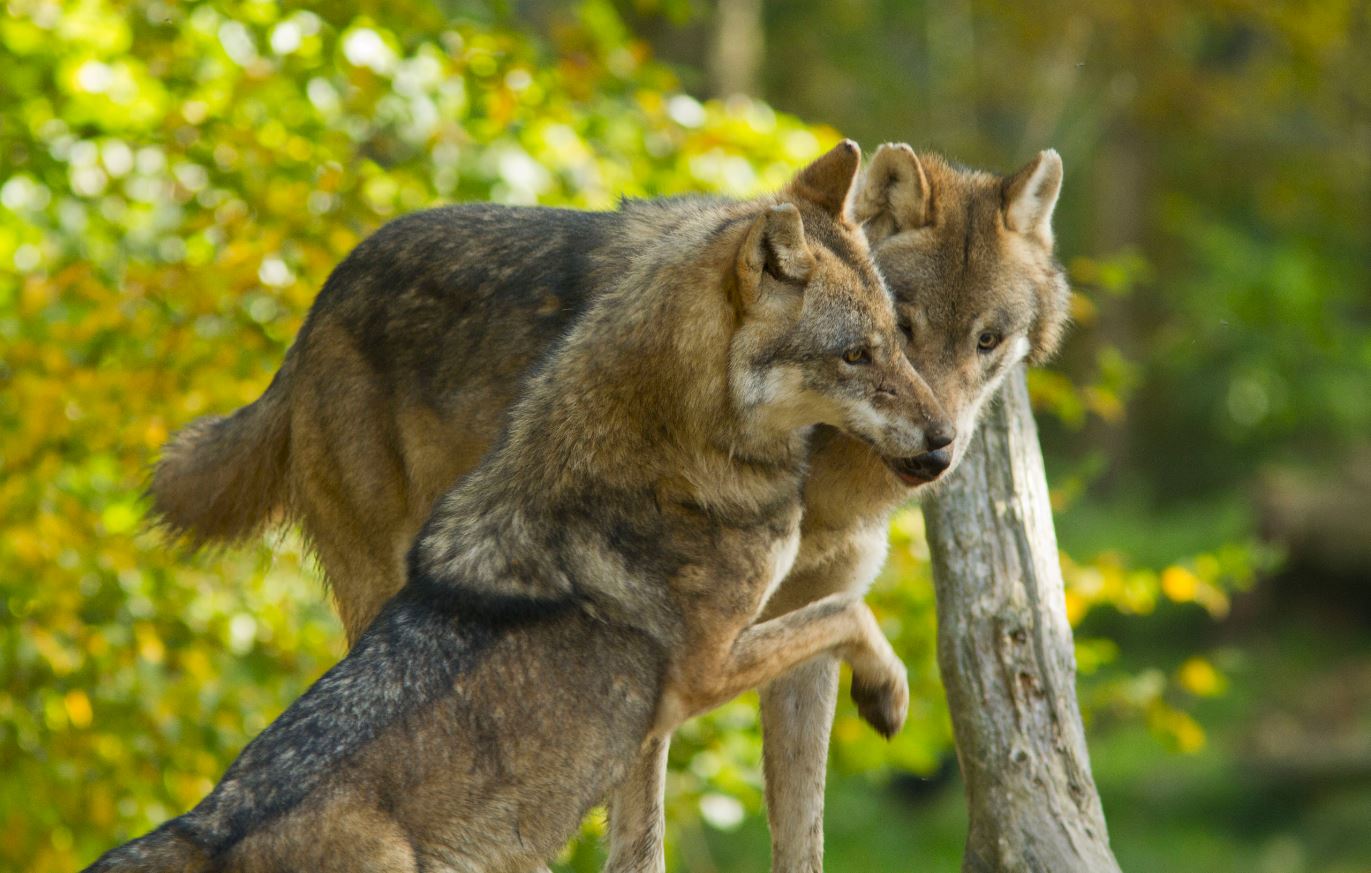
(165, 850)
(223, 478)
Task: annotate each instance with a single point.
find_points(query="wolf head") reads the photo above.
(968, 256)
(817, 340)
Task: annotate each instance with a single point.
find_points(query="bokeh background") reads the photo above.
(177, 179)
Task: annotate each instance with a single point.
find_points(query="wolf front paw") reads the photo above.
(883, 701)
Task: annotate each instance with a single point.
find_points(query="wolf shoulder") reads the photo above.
(470, 246)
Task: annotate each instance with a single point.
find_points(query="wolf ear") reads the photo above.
(1030, 195)
(828, 182)
(775, 246)
(895, 195)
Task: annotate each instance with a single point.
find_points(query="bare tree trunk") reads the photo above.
(737, 42)
(1005, 652)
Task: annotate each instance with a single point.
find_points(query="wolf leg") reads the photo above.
(797, 717)
(637, 823)
(840, 624)
(797, 708)
(360, 580)
(349, 483)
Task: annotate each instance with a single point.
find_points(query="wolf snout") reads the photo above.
(931, 465)
(939, 436)
(924, 468)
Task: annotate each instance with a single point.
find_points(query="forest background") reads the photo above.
(177, 179)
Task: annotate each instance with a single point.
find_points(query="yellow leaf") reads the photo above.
(1076, 607)
(150, 646)
(119, 518)
(78, 708)
(1199, 677)
(1189, 735)
(1179, 584)
(155, 433)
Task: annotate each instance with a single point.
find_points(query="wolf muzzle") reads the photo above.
(921, 469)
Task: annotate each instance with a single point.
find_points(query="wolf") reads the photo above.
(597, 578)
(381, 405)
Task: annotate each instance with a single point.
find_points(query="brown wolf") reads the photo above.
(596, 580)
(381, 405)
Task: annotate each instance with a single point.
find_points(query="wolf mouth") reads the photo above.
(920, 469)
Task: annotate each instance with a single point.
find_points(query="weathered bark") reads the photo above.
(1005, 652)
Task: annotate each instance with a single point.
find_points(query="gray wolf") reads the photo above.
(597, 578)
(381, 405)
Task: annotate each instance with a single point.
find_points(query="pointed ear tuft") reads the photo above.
(1030, 195)
(828, 182)
(775, 246)
(895, 194)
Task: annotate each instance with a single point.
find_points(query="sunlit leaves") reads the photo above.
(1205, 580)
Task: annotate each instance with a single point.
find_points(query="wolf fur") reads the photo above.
(941, 236)
(381, 405)
(596, 579)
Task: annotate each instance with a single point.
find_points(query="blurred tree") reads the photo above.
(737, 43)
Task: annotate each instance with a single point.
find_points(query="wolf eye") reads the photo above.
(908, 330)
(987, 340)
(856, 356)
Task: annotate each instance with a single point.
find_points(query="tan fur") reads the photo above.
(366, 461)
(943, 239)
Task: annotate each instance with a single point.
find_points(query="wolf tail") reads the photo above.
(223, 478)
(165, 850)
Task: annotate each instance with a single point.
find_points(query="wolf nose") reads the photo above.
(939, 436)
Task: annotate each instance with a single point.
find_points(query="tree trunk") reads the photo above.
(737, 43)
(1005, 652)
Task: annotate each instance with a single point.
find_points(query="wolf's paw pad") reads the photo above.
(883, 704)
